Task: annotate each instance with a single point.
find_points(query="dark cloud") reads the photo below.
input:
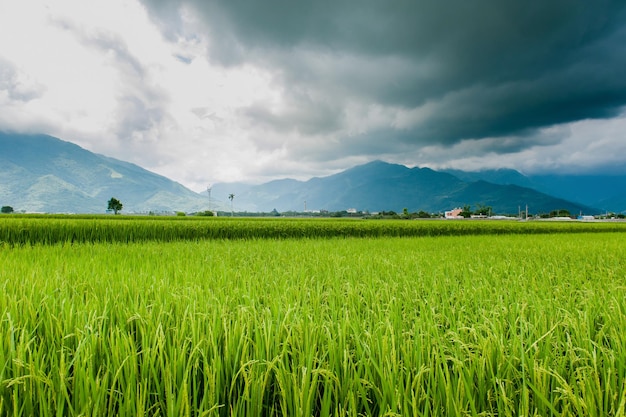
(466, 69)
(302, 113)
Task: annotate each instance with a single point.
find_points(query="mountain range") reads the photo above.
(378, 185)
(40, 173)
(605, 192)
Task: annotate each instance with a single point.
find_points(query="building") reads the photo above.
(586, 218)
(454, 213)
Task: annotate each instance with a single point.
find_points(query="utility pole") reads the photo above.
(208, 190)
(526, 211)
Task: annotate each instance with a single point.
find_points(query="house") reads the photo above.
(586, 218)
(454, 213)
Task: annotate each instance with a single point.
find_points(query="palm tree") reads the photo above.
(231, 197)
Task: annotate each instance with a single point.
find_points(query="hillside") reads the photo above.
(40, 173)
(606, 192)
(380, 186)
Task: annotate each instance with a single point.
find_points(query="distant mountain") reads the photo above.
(606, 192)
(616, 203)
(495, 176)
(378, 186)
(40, 173)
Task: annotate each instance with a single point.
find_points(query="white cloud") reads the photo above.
(102, 75)
(579, 147)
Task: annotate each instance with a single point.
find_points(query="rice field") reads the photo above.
(510, 321)
(19, 229)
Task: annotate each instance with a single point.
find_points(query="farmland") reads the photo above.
(125, 316)
(127, 229)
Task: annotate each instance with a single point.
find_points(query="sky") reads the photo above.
(240, 90)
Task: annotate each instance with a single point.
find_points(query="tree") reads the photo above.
(115, 205)
(483, 210)
(7, 209)
(231, 197)
(560, 213)
(467, 211)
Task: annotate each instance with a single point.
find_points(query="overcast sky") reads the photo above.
(215, 91)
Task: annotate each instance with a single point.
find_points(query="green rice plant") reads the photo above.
(126, 229)
(479, 325)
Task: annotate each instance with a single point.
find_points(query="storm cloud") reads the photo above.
(440, 74)
(216, 91)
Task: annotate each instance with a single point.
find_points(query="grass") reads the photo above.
(125, 229)
(505, 324)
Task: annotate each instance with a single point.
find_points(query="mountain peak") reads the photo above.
(45, 174)
(379, 185)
